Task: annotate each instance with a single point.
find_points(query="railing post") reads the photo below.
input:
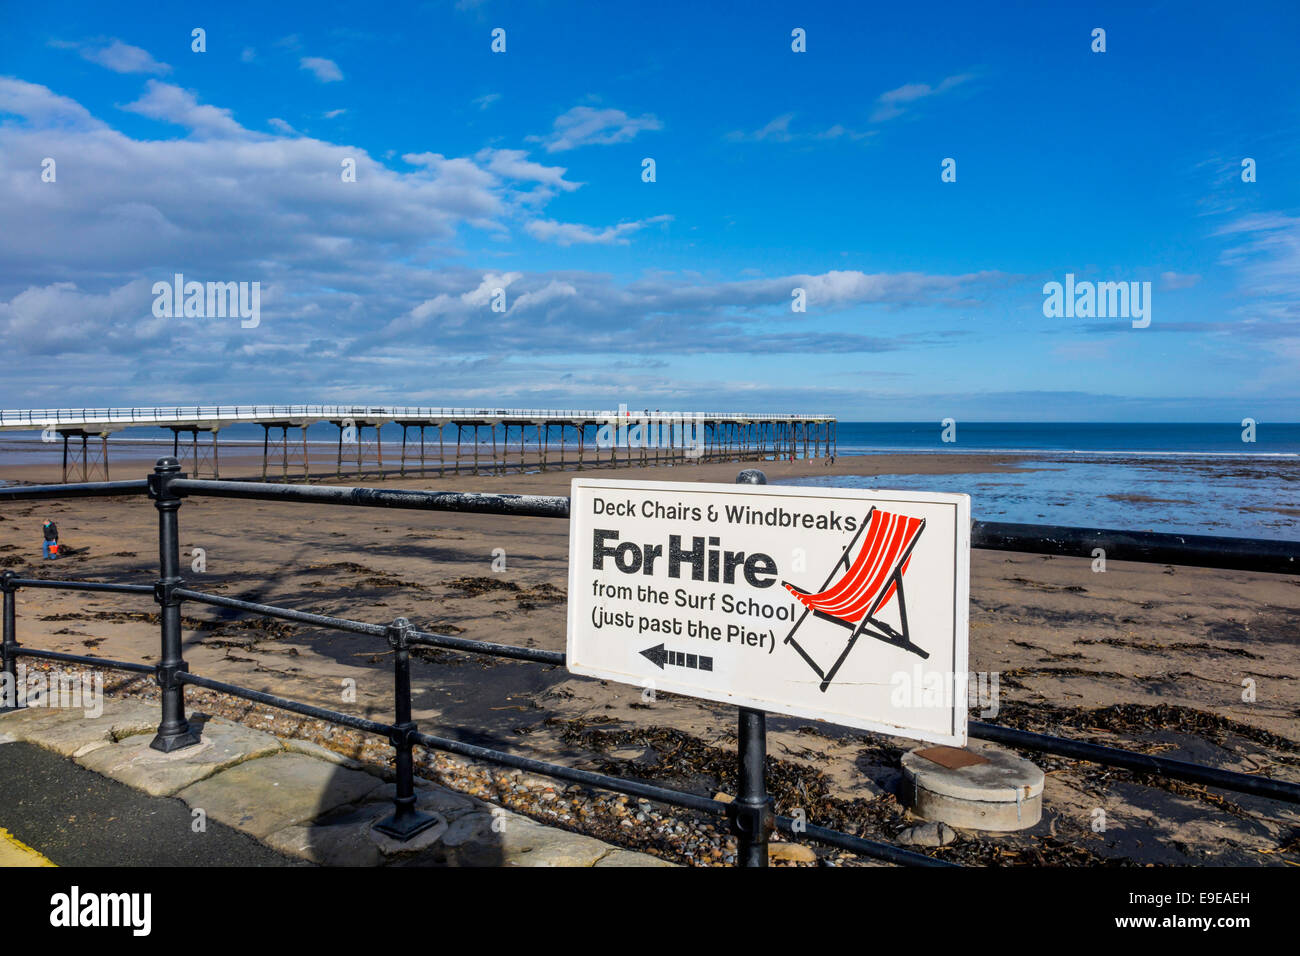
(406, 821)
(751, 813)
(752, 818)
(9, 646)
(174, 732)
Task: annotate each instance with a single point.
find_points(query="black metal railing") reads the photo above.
(751, 815)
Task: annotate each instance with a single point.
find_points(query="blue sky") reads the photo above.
(775, 170)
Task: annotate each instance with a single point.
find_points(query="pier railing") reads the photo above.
(174, 414)
(750, 815)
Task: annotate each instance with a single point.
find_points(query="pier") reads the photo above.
(435, 441)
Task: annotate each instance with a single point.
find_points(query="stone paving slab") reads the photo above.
(525, 842)
(270, 793)
(339, 839)
(311, 749)
(470, 828)
(134, 763)
(430, 797)
(68, 731)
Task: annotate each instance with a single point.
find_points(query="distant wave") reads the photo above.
(1049, 452)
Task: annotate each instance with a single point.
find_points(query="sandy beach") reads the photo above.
(1148, 657)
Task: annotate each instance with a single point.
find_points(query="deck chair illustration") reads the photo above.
(869, 583)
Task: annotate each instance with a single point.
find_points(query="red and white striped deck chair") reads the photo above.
(873, 579)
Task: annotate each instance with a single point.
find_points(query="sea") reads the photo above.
(1228, 478)
(1224, 478)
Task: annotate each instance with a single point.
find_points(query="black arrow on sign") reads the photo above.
(656, 655)
(659, 656)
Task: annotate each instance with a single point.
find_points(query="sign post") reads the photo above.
(752, 815)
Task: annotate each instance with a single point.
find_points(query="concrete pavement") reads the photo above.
(57, 813)
(90, 791)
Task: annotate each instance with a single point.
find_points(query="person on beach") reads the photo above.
(51, 540)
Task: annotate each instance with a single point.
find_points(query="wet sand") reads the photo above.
(1143, 656)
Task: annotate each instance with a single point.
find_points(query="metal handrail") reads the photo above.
(1157, 547)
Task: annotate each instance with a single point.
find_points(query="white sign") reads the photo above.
(844, 605)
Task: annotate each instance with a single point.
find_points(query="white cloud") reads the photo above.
(334, 114)
(555, 291)
(572, 233)
(894, 102)
(41, 107)
(585, 125)
(55, 317)
(327, 71)
(120, 57)
(486, 100)
(230, 198)
(779, 131)
(1178, 280)
(1267, 253)
(676, 313)
(514, 164)
(163, 101)
(373, 271)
